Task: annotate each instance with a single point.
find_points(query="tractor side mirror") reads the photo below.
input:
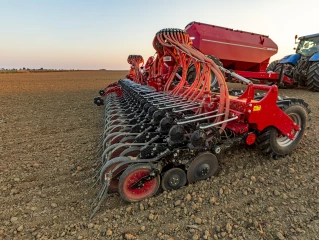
(296, 36)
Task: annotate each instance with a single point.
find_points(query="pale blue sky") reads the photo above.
(101, 34)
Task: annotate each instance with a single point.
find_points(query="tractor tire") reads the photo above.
(277, 146)
(313, 77)
(274, 66)
(191, 73)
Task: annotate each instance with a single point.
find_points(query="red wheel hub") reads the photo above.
(250, 139)
(142, 192)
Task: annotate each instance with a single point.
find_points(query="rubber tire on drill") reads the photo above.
(313, 77)
(206, 158)
(132, 171)
(166, 179)
(267, 141)
(101, 92)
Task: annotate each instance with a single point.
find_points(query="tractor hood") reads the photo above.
(291, 59)
(314, 57)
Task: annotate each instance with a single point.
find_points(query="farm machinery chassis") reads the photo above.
(163, 131)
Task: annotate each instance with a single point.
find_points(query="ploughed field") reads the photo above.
(49, 134)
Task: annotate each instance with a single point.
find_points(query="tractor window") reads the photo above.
(307, 47)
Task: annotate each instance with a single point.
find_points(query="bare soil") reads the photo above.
(49, 134)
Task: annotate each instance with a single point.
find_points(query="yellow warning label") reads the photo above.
(257, 108)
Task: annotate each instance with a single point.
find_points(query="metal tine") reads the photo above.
(112, 101)
(198, 119)
(157, 99)
(104, 191)
(106, 143)
(95, 183)
(171, 101)
(107, 122)
(120, 121)
(197, 115)
(129, 144)
(116, 114)
(185, 109)
(116, 104)
(113, 108)
(98, 152)
(118, 125)
(178, 105)
(97, 172)
(218, 123)
(154, 94)
(173, 98)
(126, 134)
(100, 194)
(168, 96)
(98, 162)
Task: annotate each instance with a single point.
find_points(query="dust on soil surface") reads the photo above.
(49, 134)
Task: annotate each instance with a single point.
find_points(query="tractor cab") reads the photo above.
(308, 45)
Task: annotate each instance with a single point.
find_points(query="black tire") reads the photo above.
(276, 146)
(196, 171)
(313, 77)
(274, 66)
(191, 73)
(139, 195)
(101, 92)
(173, 179)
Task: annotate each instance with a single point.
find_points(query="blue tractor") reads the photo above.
(303, 66)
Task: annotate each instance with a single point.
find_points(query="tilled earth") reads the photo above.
(49, 134)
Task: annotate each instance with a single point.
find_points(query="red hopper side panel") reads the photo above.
(238, 50)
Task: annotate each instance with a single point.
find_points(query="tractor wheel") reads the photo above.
(313, 77)
(272, 143)
(191, 73)
(133, 174)
(274, 66)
